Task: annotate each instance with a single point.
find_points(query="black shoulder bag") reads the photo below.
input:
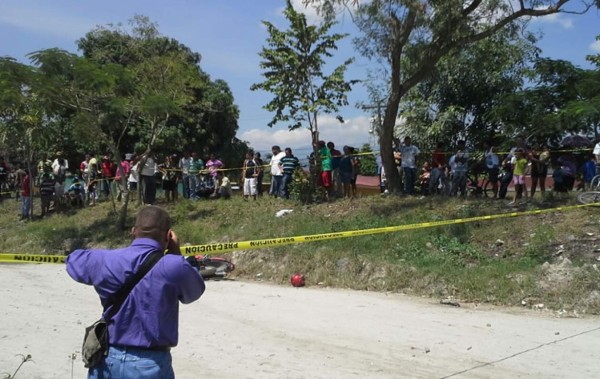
(95, 340)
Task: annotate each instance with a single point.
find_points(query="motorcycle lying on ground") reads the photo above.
(211, 267)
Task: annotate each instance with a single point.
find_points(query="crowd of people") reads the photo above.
(446, 171)
(453, 173)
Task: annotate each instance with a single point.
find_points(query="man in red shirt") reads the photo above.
(108, 172)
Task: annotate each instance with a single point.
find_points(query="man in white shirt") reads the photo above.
(147, 172)
(409, 154)
(276, 172)
(60, 167)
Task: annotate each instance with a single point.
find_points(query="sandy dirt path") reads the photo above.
(254, 330)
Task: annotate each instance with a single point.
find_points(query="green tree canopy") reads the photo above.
(410, 37)
(293, 64)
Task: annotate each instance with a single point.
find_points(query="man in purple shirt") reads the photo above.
(144, 329)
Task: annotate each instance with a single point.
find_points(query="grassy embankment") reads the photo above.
(498, 261)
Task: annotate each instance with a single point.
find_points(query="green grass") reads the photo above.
(498, 261)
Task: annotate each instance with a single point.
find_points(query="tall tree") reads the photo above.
(456, 101)
(410, 37)
(206, 116)
(293, 64)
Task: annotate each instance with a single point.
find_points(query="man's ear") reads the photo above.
(132, 232)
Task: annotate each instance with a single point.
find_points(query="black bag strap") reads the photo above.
(116, 300)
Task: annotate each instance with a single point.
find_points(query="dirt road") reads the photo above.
(253, 330)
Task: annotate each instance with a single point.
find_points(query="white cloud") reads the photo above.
(595, 46)
(44, 21)
(556, 18)
(354, 132)
(309, 11)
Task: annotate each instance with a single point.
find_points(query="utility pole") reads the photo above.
(379, 106)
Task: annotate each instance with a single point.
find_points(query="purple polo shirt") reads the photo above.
(149, 317)
(213, 166)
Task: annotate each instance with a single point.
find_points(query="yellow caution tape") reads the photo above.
(30, 258)
(226, 247)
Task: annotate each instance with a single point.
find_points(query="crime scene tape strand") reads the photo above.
(226, 247)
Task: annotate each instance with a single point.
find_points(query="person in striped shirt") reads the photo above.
(288, 164)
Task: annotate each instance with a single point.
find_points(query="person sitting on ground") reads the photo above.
(223, 186)
(145, 328)
(76, 193)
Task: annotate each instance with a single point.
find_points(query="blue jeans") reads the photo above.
(26, 206)
(277, 185)
(409, 179)
(193, 186)
(129, 362)
(185, 180)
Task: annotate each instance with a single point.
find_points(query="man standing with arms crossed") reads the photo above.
(142, 332)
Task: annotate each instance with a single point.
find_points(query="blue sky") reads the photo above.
(229, 35)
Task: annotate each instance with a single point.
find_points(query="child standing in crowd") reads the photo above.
(519, 163)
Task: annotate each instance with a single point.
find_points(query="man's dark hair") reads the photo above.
(276, 147)
(152, 222)
(330, 145)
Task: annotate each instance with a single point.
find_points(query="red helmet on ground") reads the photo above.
(297, 280)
